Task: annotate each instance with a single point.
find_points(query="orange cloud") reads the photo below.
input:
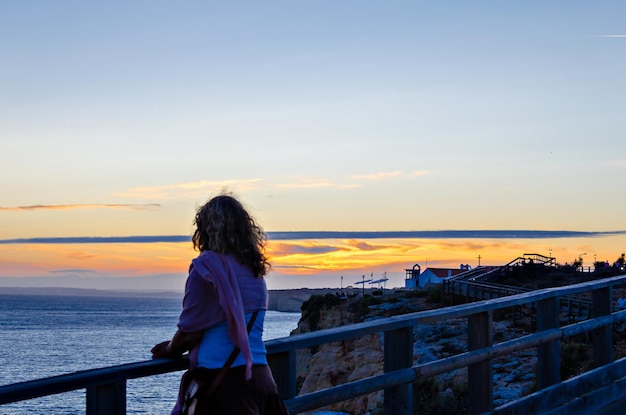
(97, 259)
(277, 249)
(309, 257)
(80, 256)
(365, 246)
(204, 187)
(300, 262)
(84, 206)
(189, 189)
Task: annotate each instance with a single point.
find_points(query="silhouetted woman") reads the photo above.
(224, 288)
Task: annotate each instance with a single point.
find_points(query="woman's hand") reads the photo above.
(160, 350)
(180, 343)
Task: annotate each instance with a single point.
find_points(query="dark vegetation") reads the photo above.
(428, 399)
(314, 305)
(536, 276)
(363, 307)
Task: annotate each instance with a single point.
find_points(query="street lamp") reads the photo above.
(363, 285)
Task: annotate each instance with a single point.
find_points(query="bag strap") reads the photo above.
(220, 375)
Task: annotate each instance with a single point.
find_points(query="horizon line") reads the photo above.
(306, 235)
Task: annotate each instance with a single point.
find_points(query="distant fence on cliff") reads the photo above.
(583, 394)
(572, 308)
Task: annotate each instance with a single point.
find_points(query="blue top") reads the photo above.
(216, 346)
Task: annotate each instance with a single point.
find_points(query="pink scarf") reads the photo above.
(221, 275)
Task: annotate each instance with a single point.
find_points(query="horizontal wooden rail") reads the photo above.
(577, 395)
(80, 380)
(349, 390)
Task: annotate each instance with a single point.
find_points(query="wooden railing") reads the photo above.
(106, 387)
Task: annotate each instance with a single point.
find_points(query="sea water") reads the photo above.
(42, 336)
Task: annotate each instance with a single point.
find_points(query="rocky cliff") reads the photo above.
(337, 363)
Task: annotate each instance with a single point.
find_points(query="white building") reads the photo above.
(415, 278)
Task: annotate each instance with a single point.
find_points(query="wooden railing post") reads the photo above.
(107, 399)
(444, 292)
(602, 337)
(548, 354)
(283, 366)
(398, 349)
(479, 375)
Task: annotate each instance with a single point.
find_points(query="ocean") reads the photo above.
(43, 336)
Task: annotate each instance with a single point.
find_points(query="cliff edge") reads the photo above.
(291, 300)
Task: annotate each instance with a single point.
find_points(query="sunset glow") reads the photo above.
(310, 263)
(120, 119)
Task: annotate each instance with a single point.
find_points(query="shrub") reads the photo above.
(574, 359)
(312, 307)
(360, 307)
(430, 397)
(435, 295)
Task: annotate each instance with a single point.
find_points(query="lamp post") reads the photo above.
(364, 285)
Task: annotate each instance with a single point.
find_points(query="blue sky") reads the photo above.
(120, 118)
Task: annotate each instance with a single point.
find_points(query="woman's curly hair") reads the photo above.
(224, 226)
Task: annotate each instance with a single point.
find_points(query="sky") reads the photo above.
(344, 127)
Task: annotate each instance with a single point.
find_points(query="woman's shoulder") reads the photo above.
(207, 262)
(212, 260)
(209, 257)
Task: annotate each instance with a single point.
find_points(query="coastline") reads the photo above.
(288, 300)
(87, 292)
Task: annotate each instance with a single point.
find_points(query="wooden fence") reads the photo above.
(584, 394)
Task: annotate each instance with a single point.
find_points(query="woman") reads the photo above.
(224, 288)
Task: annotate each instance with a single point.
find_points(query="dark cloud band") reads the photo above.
(308, 235)
(442, 234)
